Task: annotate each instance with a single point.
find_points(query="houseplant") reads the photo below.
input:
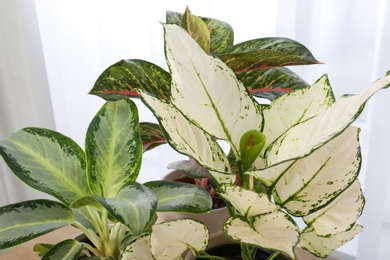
(296, 156)
(96, 191)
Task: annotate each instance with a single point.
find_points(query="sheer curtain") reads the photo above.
(52, 51)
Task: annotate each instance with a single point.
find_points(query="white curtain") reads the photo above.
(52, 51)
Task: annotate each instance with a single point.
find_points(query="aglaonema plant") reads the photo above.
(96, 191)
(297, 156)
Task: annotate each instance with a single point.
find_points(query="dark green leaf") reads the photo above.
(180, 197)
(47, 161)
(122, 79)
(271, 83)
(69, 249)
(113, 147)
(265, 53)
(135, 206)
(151, 135)
(190, 168)
(23, 221)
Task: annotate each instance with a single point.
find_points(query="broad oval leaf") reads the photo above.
(122, 80)
(180, 197)
(315, 180)
(169, 240)
(340, 215)
(230, 109)
(295, 143)
(247, 202)
(69, 249)
(47, 161)
(274, 231)
(113, 147)
(135, 206)
(139, 249)
(271, 83)
(197, 29)
(186, 138)
(23, 221)
(323, 246)
(267, 52)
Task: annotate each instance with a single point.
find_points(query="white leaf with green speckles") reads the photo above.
(138, 250)
(323, 246)
(188, 139)
(295, 107)
(313, 181)
(247, 202)
(303, 138)
(274, 231)
(170, 239)
(207, 91)
(340, 215)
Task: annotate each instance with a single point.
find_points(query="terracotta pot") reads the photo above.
(213, 219)
(219, 240)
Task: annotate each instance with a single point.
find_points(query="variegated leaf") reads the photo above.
(265, 53)
(113, 148)
(139, 249)
(151, 135)
(170, 239)
(340, 215)
(230, 109)
(23, 221)
(296, 142)
(188, 139)
(313, 181)
(246, 202)
(274, 231)
(180, 197)
(135, 206)
(221, 33)
(47, 161)
(324, 246)
(197, 29)
(122, 79)
(69, 249)
(271, 83)
(295, 107)
(269, 175)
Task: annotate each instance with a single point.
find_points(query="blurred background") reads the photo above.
(52, 51)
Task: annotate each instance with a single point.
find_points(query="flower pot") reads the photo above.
(213, 219)
(220, 245)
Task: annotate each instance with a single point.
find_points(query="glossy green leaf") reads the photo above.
(135, 206)
(151, 135)
(23, 221)
(69, 249)
(274, 231)
(221, 33)
(253, 204)
(188, 139)
(180, 197)
(122, 79)
(47, 161)
(196, 74)
(271, 83)
(324, 246)
(313, 181)
(340, 215)
(170, 239)
(113, 148)
(197, 29)
(251, 144)
(295, 143)
(265, 53)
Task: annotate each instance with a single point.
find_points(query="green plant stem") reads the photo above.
(248, 252)
(273, 255)
(95, 240)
